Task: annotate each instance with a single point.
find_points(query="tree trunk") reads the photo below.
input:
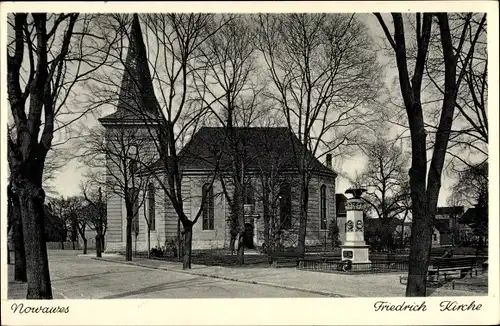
(238, 214)
(31, 198)
(19, 253)
(421, 233)
(232, 243)
(103, 248)
(266, 222)
(149, 242)
(240, 257)
(276, 232)
(180, 252)
(135, 245)
(387, 242)
(266, 235)
(188, 240)
(74, 232)
(128, 246)
(62, 245)
(98, 250)
(419, 255)
(304, 198)
(84, 246)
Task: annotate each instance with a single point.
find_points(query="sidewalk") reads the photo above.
(328, 284)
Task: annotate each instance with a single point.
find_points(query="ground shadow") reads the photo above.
(160, 287)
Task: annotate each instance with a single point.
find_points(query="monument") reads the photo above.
(354, 248)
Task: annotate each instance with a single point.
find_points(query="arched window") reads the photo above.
(248, 195)
(322, 205)
(208, 207)
(285, 202)
(152, 208)
(132, 167)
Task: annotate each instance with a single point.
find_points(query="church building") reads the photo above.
(270, 156)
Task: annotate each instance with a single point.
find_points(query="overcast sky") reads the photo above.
(68, 179)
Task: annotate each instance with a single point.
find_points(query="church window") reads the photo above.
(323, 207)
(248, 195)
(208, 207)
(285, 202)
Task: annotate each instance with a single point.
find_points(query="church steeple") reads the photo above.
(137, 99)
(137, 93)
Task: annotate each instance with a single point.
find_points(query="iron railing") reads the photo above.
(355, 268)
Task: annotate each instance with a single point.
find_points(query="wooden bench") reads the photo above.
(446, 266)
(284, 259)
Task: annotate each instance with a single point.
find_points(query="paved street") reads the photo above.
(80, 277)
(75, 276)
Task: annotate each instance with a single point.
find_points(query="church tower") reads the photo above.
(131, 129)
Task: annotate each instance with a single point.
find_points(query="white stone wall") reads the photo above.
(205, 239)
(166, 217)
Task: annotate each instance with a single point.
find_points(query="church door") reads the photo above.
(248, 237)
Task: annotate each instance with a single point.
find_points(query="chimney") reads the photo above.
(329, 160)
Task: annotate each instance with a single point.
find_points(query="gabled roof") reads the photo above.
(469, 216)
(259, 147)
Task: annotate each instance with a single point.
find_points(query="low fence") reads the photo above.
(344, 267)
(395, 264)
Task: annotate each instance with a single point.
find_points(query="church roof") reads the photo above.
(137, 99)
(259, 147)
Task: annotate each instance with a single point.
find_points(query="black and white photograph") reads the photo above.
(215, 152)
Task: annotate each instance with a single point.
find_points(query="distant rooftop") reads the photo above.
(469, 216)
(451, 210)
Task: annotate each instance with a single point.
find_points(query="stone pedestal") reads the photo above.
(354, 248)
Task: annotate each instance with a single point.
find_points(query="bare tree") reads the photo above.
(58, 208)
(47, 56)
(471, 185)
(273, 178)
(386, 180)
(468, 144)
(171, 119)
(78, 209)
(120, 154)
(325, 74)
(471, 188)
(425, 187)
(229, 57)
(98, 217)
